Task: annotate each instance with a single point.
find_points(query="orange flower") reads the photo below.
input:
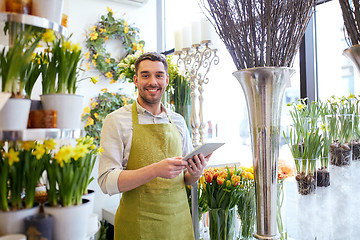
(220, 180)
(285, 170)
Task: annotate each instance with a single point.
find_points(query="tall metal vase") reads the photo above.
(264, 88)
(353, 53)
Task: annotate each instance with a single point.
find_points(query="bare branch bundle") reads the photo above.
(351, 15)
(259, 33)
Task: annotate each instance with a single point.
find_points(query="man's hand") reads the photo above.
(170, 167)
(195, 168)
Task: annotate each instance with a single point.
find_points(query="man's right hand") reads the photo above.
(170, 167)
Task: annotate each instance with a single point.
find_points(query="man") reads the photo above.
(143, 144)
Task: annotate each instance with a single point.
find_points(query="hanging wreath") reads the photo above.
(111, 28)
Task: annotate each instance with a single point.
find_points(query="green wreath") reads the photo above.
(109, 27)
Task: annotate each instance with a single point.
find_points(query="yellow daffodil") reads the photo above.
(99, 151)
(103, 30)
(39, 152)
(300, 106)
(109, 75)
(64, 155)
(107, 60)
(93, 36)
(112, 81)
(93, 62)
(67, 45)
(126, 23)
(104, 90)
(12, 156)
(126, 30)
(80, 150)
(96, 115)
(106, 38)
(93, 28)
(110, 10)
(28, 145)
(49, 144)
(75, 47)
(351, 96)
(95, 56)
(48, 36)
(94, 80)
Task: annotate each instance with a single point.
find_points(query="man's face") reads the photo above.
(151, 81)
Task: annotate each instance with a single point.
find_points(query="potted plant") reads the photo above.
(18, 72)
(222, 193)
(21, 167)
(68, 173)
(305, 143)
(59, 70)
(340, 123)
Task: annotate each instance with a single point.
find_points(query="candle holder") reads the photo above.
(197, 61)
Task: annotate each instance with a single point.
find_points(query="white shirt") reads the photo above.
(116, 136)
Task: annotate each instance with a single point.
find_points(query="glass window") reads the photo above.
(224, 102)
(336, 73)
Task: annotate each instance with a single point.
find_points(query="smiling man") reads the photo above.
(143, 144)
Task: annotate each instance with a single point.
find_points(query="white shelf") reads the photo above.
(33, 21)
(40, 133)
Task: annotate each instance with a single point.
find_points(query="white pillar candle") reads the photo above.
(178, 41)
(206, 30)
(196, 33)
(186, 36)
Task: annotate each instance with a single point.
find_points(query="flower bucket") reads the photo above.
(70, 223)
(247, 209)
(222, 224)
(49, 9)
(15, 114)
(306, 175)
(68, 106)
(12, 222)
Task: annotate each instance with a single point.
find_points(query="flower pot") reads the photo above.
(39, 226)
(70, 223)
(68, 107)
(14, 115)
(306, 175)
(91, 197)
(13, 221)
(246, 210)
(3, 98)
(49, 9)
(18, 6)
(222, 224)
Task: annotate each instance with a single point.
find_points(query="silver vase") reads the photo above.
(353, 53)
(264, 88)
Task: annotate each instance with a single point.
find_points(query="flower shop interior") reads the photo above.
(281, 91)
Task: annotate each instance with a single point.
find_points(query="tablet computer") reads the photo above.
(205, 149)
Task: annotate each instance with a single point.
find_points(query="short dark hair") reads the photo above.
(152, 56)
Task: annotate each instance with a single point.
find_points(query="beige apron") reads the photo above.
(158, 209)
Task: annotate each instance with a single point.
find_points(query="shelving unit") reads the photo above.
(40, 133)
(33, 21)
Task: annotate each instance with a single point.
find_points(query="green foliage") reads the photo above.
(100, 107)
(16, 64)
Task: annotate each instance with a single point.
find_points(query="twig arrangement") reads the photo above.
(259, 33)
(351, 15)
